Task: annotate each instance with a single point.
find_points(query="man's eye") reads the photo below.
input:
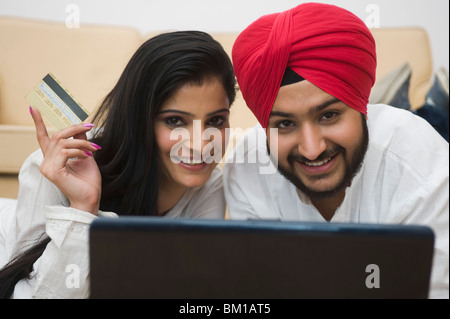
(329, 115)
(174, 121)
(284, 124)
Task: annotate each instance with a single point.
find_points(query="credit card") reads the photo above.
(56, 104)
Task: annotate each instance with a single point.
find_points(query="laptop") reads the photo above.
(153, 257)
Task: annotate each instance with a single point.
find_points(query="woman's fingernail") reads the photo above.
(96, 146)
(87, 153)
(31, 110)
(88, 125)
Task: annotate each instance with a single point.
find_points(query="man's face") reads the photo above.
(321, 141)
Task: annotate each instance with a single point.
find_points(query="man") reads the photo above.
(306, 74)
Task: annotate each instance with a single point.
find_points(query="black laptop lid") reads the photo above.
(152, 257)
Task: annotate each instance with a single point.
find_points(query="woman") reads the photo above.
(140, 160)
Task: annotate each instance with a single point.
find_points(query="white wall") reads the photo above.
(234, 15)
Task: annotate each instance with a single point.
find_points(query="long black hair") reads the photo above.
(129, 159)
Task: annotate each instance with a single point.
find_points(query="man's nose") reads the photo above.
(311, 142)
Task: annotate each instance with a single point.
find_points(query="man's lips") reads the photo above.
(317, 167)
(317, 163)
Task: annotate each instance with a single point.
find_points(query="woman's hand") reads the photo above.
(68, 163)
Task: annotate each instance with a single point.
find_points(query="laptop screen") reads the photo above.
(153, 257)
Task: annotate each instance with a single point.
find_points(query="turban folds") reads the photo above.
(327, 45)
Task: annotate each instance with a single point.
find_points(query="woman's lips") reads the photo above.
(191, 164)
(193, 167)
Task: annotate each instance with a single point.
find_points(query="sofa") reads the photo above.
(88, 61)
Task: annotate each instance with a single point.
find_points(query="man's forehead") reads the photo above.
(301, 96)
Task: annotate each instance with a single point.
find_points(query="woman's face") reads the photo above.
(190, 132)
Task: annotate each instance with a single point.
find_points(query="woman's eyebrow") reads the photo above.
(176, 111)
(191, 114)
(219, 111)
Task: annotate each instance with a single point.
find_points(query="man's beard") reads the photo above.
(351, 168)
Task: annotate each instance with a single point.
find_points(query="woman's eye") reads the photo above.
(217, 121)
(174, 121)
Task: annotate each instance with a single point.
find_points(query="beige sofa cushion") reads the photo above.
(398, 45)
(13, 153)
(87, 61)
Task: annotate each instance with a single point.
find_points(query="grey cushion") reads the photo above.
(393, 88)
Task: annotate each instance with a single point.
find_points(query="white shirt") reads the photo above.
(404, 179)
(41, 206)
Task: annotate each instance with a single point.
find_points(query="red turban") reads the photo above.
(327, 45)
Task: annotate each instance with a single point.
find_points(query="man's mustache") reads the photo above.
(323, 156)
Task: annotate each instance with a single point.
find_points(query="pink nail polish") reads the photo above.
(96, 146)
(88, 125)
(87, 153)
(31, 110)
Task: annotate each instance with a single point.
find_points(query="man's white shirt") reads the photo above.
(404, 179)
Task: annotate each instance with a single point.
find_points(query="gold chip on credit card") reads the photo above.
(56, 104)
